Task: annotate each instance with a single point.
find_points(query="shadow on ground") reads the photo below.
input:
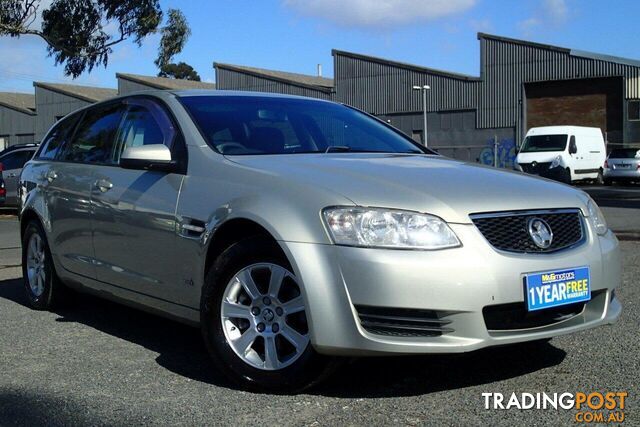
(181, 351)
(19, 408)
(617, 196)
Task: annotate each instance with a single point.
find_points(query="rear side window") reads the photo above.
(16, 159)
(93, 140)
(56, 138)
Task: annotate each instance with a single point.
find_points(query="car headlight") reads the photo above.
(388, 228)
(597, 217)
(556, 162)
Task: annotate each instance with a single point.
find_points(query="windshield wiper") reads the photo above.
(337, 148)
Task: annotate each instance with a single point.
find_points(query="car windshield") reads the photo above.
(538, 143)
(625, 153)
(242, 125)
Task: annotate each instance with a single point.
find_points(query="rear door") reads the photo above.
(134, 230)
(12, 164)
(72, 179)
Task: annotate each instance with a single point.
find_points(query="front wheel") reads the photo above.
(567, 178)
(254, 320)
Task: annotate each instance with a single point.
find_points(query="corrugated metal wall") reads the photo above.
(50, 105)
(507, 65)
(233, 80)
(126, 87)
(386, 88)
(16, 127)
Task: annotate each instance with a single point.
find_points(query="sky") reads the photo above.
(296, 35)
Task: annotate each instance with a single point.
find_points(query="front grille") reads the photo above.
(509, 231)
(403, 322)
(535, 168)
(505, 317)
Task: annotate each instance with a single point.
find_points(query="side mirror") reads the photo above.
(148, 157)
(573, 148)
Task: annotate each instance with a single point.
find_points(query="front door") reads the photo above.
(134, 227)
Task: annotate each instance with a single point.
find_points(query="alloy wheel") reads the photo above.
(36, 272)
(263, 316)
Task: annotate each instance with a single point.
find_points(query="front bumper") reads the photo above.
(542, 169)
(460, 282)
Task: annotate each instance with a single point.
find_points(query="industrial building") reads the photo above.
(130, 83)
(26, 118)
(17, 118)
(56, 100)
(521, 84)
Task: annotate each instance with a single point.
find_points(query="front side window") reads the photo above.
(144, 123)
(540, 143)
(16, 159)
(93, 140)
(242, 125)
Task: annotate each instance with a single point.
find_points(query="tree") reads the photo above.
(77, 31)
(180, 70)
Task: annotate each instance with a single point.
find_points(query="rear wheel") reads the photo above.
(254, 320)
(43, 288)
(600, 178)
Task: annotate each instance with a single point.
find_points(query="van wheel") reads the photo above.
(253, 319)
(567, 178)
(43, 288)
(600, 177)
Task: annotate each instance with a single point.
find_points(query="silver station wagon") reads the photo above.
(293, 231)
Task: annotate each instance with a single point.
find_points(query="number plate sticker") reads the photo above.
(555, 288)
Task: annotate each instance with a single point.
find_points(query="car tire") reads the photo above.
(246, 361)
(43, 287)
(600, 178)
(567, 178)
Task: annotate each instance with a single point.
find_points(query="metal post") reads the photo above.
(424, 114)
(495, 151)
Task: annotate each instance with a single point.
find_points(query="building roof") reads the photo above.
(165, 82)
(23, 102)
(85, 93)
(404, 65)
(304, 80)
(573, 52)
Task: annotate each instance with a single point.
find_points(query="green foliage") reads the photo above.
(174, 37)
(180, 70)
(81, 33)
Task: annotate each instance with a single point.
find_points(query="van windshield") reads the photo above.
(539, 143)
(243, 125)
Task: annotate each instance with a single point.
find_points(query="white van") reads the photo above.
(564, 153)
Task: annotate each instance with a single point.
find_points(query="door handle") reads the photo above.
(51, 176)
(104, 185)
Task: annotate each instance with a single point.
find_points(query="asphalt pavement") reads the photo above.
(96, 362)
